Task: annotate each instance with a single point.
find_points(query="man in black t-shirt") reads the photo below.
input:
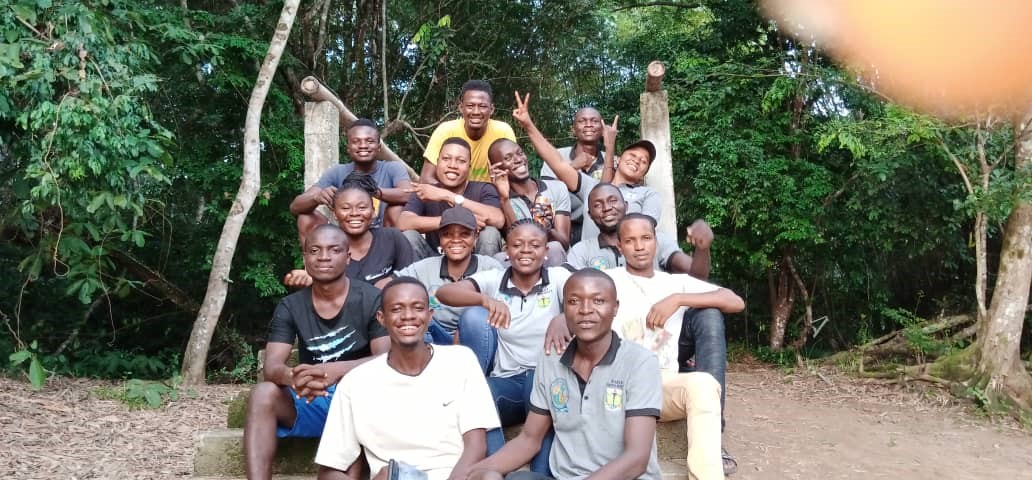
(334, 323)
(422, 213)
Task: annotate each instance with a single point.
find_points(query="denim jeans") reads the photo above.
(437, 335)
(702, 337)
(511, 394)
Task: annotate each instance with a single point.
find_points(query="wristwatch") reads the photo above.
(459, 199)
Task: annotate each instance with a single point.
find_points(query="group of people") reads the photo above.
(433, 313)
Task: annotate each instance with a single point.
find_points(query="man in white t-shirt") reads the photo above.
(426, 408)
(652, 307)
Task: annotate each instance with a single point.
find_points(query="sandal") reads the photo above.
(730, 464)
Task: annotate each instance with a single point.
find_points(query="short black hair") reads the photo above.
(457, 141)
(636, 216)
(476, 86)
(403, 280)
(323, 227)
(364, 122)
(362, 182)
(607, 185)
(525, 221)
(592, 273)
(498, 141)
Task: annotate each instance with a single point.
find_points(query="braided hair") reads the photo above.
(361, 182)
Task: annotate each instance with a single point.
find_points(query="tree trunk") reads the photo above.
(195, 357)
(782, 299)
(999, 343)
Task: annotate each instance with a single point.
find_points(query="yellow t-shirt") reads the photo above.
(478, 165)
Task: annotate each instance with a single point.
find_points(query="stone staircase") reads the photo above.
(220, 454)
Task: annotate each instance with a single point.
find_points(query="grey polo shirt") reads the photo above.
(589, 415)
(589, 253)
(554, 190)
(433, 272)
(519, 345)
(639, 198)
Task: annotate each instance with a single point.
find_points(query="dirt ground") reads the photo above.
(780, 426)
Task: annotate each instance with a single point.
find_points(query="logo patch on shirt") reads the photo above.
(434, 303)
(544, 302)
(560, 395)
(614, 395)
(599, 263)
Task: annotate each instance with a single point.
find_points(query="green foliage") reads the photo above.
(37, 374)
(140, 394)
(925, 344)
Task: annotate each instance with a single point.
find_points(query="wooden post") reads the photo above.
(655, 126)
(322, 139)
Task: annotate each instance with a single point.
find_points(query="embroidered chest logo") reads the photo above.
(614, 395)
(560, 393)
(544, 301)
(434, 303)
(599, 263)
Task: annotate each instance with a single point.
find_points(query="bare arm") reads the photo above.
(354, 471)
(697, 266)
(312, 198)
(609, 133)
(489, 215)
(465, 294)
(397, 195)
(474, 448)
(421, 224)
(632, 463)
(276, 369)
(722, 299)
(312, 380)
(518, 451)
(560, 231)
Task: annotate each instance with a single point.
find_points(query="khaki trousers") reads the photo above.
(695, 398)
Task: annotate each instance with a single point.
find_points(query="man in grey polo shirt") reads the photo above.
(586, 155)
(601, 397)
(457, 262)
(606, 207)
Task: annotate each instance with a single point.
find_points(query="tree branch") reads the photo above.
(687, 5)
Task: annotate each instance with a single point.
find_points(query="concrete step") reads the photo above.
(220, 452)
(672, 470)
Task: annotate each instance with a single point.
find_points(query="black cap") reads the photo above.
(459, 216)
(647, 145)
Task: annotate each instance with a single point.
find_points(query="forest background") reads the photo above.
(840, 217)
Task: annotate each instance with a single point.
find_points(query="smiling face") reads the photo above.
(354, 211)
(511, 157)
(634, 164)
(590, 305)
(405, 314)
(587, 125)
(606, 207)
(457, 242)
(526, 245)
(476, 109)
(453, 166)
(326, 254)
(363, 144)
(638, 245)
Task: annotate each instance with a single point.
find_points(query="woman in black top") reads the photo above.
(375, 252)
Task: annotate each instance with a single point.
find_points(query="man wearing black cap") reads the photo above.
(628, 174)
(457, 262)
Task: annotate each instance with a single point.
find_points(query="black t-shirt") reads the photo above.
(480, 192)
(388, 252)
(344, 337)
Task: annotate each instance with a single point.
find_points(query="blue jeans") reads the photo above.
(702, 337)
(511, 394)
(437, 335)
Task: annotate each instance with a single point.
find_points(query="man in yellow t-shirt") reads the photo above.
(476, 105)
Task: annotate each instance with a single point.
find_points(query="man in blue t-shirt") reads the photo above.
(363, 147)
(335, 326)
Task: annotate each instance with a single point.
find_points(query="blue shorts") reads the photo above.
(311, 417)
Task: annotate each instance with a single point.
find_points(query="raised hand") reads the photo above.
(522, 113)
(582, 160)
(430, 193)
(609, 133)
(699, 234)
(325, 196)
(500, 179)
(297, 278)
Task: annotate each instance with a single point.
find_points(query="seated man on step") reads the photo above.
(421, 410)
(334, 323)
